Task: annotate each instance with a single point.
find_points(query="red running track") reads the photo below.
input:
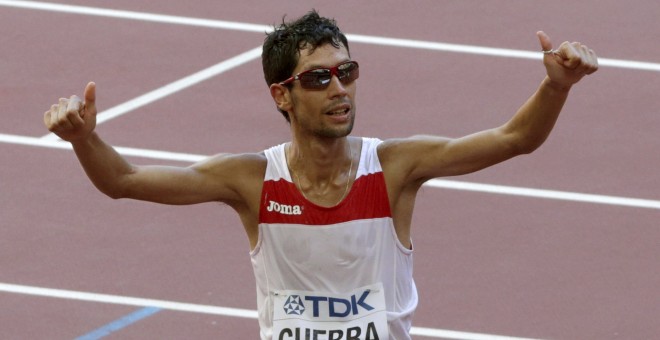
(486, 263)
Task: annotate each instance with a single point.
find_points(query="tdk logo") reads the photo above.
(284, 208)
(336, 307)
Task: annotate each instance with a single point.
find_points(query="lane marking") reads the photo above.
(489, 51)
(128, 301)
(173, 87)
(434, 183)
(138, 16)
(457, 335)
(543, 193)
(120, 323)
(58, 144)
(357, 38)
(157, 305)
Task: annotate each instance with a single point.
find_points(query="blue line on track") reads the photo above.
(120, 323)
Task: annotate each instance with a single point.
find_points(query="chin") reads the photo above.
(336, 132)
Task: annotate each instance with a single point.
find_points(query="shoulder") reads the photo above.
(405, 149)
(240, 161)
(410, 160)
(237, 172)
(235, 179)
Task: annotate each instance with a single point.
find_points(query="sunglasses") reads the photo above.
(319, 78)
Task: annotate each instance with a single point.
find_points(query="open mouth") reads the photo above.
(338, 112)
(339, 109)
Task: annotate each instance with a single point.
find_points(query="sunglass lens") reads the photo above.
(348, 72)
(317, 79)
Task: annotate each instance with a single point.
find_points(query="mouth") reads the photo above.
(339, 110)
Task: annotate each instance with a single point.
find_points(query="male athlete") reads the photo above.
(327, 215)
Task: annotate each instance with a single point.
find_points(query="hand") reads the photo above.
(73, 119)
(569, 63)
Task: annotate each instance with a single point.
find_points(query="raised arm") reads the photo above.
(215, 179)
(420, 158)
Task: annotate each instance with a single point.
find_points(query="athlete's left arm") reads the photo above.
(421, 158)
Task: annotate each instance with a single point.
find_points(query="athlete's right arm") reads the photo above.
(215, 179)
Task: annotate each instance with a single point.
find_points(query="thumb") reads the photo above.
(90, 93)
(544, 40)
(89, 106)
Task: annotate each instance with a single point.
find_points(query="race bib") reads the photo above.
(356, 315)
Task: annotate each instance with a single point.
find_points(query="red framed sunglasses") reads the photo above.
(319, 78)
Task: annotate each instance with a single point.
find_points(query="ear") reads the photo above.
(282, 97)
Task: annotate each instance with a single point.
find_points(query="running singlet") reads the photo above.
(331, 273)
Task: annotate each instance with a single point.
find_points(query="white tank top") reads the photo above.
(331, 273)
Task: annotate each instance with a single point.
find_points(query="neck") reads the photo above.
(322, 172)
(319, 160)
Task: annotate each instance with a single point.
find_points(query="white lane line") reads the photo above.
(434, 183)
(247, 27)
(125, 300)
(135, 152)
(139, 16)
(457, 335)
(542, 193)
(489, 51)
(173, 87)
(206, 309)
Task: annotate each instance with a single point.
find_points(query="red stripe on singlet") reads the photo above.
(281, 202)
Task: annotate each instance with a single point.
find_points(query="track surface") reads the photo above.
(487, 263)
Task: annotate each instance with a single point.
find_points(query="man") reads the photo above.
(328, 216)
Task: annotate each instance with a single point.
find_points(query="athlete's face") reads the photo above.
(328, 112)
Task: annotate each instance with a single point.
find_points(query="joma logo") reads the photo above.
(284, 209)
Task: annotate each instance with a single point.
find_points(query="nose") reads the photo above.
(336, 88)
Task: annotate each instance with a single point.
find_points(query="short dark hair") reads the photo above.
(282, 46)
